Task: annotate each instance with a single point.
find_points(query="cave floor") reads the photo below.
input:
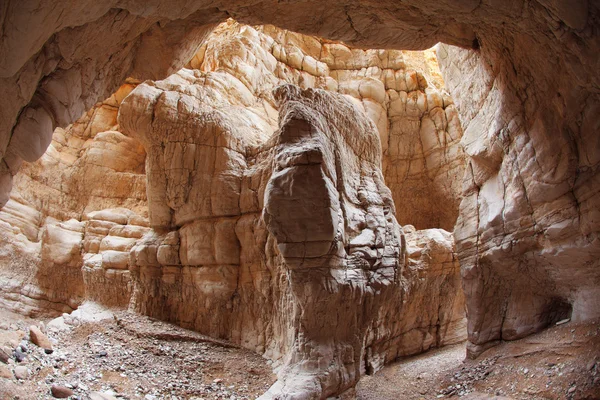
(133, 357)
(562, 362)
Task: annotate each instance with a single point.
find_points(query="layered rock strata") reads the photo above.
(401, 92)
(243, 222)
(527, 233)
(83, 200)
(286, 244)
(538, 58)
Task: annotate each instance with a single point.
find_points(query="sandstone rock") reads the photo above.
(525, 264)
(60, 392)
(314, 159)
(235, 209)
(40, 339)
(4, 355)
(527, 232)
(21, 372)
(5, 372)
(101, 396)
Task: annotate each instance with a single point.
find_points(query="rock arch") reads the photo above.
(528, 97)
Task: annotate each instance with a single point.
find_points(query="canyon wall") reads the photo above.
(267, 211)
(288, 243)
(527, 233)
(51, 226)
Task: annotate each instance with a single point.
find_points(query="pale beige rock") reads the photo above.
(21, 372)
(101, 396)
(214, 165)
(423, 162)
(325, 210)
(5, 372)
(527, 232)
(87, 168)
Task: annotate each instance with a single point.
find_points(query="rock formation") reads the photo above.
(286, 228)
(527, 232)
(526, 90)
(87, 194)
(277, 232)
(267, 207)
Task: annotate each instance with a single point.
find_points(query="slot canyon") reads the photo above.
(311, 191)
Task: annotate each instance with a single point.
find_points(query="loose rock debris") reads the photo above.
(124, 357)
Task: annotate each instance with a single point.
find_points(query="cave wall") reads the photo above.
(51, 79)
(277, 213)
(284, 241)
(84, 199)
(528, 96)
(527, 233)
(226, 254)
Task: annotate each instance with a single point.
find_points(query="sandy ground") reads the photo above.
(132, 357)
(562, 362)
(413, 377)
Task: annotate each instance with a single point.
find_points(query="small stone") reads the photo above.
(19, 355)
(4, 356)
(101, 396)
(40, 339)
(5, 372)
(572, 389)
(60, 392)
(21, 372)
(102, 353)
(591, 365)
(218, 380)
(23, 346)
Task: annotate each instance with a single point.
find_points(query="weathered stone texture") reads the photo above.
(314, 231)
(527, 232)
(526, 93)
(60, 248)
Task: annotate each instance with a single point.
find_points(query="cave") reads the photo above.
(330, 186)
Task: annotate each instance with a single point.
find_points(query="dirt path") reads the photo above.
(412, 378)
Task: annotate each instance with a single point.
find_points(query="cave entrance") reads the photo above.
(94, 172)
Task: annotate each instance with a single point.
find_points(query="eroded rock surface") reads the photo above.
(83, 204)
(528, 95)
(269, 222)
(527, 233)
(311, 230)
